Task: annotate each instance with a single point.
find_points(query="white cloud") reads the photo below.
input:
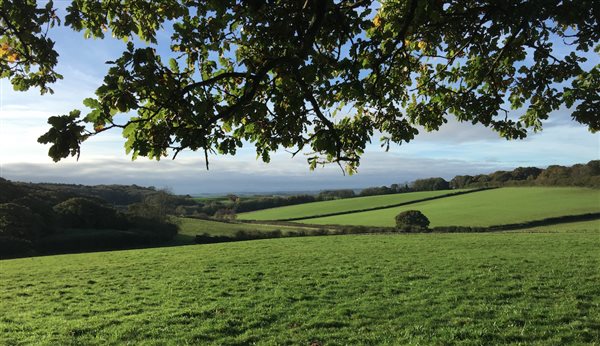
(239, 174)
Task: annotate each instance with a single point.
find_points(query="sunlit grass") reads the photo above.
(485, 208)
(339, 205)
(496, 288)
(589, 226)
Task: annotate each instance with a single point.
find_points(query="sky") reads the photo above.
(458, 148)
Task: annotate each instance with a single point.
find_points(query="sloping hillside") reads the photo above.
(485, 208)
(340, 205)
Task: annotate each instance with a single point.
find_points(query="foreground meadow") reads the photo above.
(534, 287)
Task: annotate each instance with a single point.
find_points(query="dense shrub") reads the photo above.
(19, 222)
(156, 206)
(225, 214)
(10, 191)
(99, 240)
(82, 212)
(411, 221)
(459, 229)
(430, 184)
(241, 235)
(335, 194)
(376, 190)
(41, 207)
(190, 211)
(15, 247)
(161, 229)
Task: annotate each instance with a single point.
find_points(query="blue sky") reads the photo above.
(456, 149)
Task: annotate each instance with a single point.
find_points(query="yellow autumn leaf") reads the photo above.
(12, 57)
(4, 48)
(377, 21)
(422, 45)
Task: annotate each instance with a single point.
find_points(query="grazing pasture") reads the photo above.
(581, 226)
(339, 205)
(189, 228)
(484, 208)
(493, 288)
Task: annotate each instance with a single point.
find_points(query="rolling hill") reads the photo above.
(484, 208)
(340, 205)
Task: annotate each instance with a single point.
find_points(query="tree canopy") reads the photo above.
(317, 76)
(412, 220)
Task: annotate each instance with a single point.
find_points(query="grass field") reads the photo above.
(496, 288)
(339, 205)
(189, 228)
(582, 226)
(484, 208)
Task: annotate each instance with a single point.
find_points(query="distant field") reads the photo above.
(189, 228)
(497, 288)
(484, 208)
(339, 205)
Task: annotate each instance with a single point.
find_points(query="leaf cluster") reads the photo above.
(319, 77)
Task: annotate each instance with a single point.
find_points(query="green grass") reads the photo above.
(590, 226)
(189, 228)
(496, 288)
(339, 205)
(484, 208)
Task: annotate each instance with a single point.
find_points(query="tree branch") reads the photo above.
(213, 80)
(308, 95)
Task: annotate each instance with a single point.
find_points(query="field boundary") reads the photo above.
(452, 194)
(257, 222)
(326, 230)
(547, 221)
(556, 220)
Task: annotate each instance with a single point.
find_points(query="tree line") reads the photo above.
(51, 218)
(583, 175)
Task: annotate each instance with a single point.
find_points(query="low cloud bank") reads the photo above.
(231, 174)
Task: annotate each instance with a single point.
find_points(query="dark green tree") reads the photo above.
(317, 75)
(18, 221)
(82, 212)
(156, 206)
(430, 184)
(412, 220)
